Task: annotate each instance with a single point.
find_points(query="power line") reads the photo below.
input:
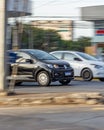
(68, 27)
(61, 16)
(59, 2)
(90, 18)
(46, 3)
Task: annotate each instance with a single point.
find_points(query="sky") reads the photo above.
(65, 9)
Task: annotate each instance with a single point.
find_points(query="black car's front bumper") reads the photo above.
(58, 74)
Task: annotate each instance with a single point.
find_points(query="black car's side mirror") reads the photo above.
(29, 61)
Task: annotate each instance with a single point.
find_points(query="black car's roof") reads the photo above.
(29, 50)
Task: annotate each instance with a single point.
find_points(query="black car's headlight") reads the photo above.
(52, 66)
(55, 66)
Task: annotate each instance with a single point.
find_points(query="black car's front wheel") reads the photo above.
(43, 78)
(65, 81)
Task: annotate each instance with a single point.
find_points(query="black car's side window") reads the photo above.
(22, 57)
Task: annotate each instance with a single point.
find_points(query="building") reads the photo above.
(96, 15)
(15, 9)
(63, 27)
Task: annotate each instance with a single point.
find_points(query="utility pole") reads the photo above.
(15, 45)
(3, 58)
(30, 38)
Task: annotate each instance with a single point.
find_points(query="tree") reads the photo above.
(50, 40)
(84, 42)
(42, 39)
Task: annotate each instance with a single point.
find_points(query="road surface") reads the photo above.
(52, 118)
(74, 86)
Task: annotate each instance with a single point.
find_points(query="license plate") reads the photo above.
(67, 73)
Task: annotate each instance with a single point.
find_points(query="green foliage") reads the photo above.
(42, 39)
(78, 45)
(50, 40)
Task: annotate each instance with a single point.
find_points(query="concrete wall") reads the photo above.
(63, 27)
(96, 15)
(92, 13)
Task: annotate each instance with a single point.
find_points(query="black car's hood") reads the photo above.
(59, 62)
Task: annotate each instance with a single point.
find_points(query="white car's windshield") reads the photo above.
(86, 56)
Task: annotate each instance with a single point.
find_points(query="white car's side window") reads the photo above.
(69, 56)
(58, 55)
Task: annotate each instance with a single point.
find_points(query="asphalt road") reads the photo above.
(65, 117)
(52, 118)
(75, 86)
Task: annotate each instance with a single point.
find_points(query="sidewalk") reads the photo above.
(32, 99)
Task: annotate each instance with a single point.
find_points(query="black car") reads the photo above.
(42, 67)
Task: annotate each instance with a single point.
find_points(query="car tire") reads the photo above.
(101, 79)
(87, 75)
(17, 83)
(64, 82)
(43, 78)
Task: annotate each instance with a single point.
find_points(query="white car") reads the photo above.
(84, 65)
(100, 57)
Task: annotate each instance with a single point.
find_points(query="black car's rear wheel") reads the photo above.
(17, 83)
(65, 81)
(43, 78)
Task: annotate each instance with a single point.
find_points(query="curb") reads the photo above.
(29, 99)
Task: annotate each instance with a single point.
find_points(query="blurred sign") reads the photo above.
(99, 32)
(17, 7)
(99, 28)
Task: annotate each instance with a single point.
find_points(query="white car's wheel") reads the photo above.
(43, 78)
(87, 75)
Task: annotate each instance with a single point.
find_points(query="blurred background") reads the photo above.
(56, 25)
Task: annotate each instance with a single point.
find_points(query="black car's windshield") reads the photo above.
(41, 55)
